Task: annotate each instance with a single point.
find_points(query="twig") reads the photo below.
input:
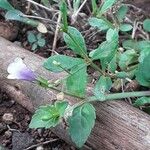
(74, 16)
(42, 6)
(37, 17)
(56, 33)
(42, 143)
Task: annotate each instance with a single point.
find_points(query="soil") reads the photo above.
(15, 134)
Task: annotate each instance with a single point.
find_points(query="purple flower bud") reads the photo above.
(18, 70)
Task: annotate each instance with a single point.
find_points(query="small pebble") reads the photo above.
(40, 148)
(8, 134)
(8, 118)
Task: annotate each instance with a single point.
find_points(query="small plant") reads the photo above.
(36, 40)
(119, 61)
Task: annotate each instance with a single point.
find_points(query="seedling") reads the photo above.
(36, 40)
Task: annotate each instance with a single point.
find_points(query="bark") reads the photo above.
(118, 125)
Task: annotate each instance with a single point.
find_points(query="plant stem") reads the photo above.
(119, 96)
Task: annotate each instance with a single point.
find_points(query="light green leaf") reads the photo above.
(31, 37)
(81, 123)
(6, 5)
(143, 72)
(112, 35)
(58, 63)
(48, 116)
(107, 4)
(76, 83)
(19, 16)
(121, 13)
(130, 44)
(102, 87)
(125, 27)
(127, 58)
(34, 47)
(146, 25)
(75, 41)
(98, 23)
(141, 101)
(41, 42)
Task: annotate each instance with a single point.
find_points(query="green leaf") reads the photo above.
(46, 3)
(107, 4)
(39, 36)
(125, 27)
(122, 75)
(112, 66)
(112, 35)
(6, 5)
(143, 72)
(121, 13)
(63, 9)
(34, 47)
(127, 58)
(102, 87)
(146, 25)
(130, 44)
(19, 16)
(81, 123)
(59, 63)
(41, 42)
(76, 83)
(144, 47)
(141, 101)
(31, 37)
(105, 50)
(94, 6)
(75, 41)
(98, 23)
(48, 116)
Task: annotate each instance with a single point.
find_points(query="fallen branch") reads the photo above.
(118, 125)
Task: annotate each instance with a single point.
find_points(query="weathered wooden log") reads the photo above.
(118, 124)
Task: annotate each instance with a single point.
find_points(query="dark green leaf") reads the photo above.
(31, 37)
(141, 101)
(6, 5)
(58, 63)
(112, 66)
(98, 23)
(75, 41)
(63, 9)
(81, 123)
(146, 25)
(48, 116)
(46, 3)
(143, 72)
(122, 12)
(76, 83)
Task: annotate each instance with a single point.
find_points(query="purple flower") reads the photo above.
(18, 70)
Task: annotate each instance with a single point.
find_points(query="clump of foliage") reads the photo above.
(36, 40)
(119, 61)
